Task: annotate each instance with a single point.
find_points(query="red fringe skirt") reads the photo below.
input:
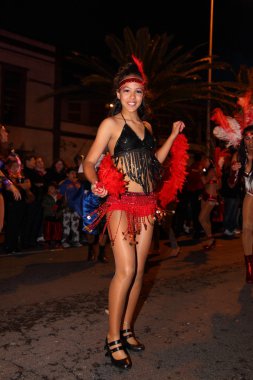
(139, 208)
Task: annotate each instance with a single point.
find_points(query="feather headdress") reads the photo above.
(228, 130)
(139, 64)
(245, 117)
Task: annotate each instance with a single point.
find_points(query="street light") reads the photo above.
(210, 57)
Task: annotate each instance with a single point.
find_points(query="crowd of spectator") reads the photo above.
(40, 206)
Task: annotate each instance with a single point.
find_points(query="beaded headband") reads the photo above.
(248, 134)
(131, 79)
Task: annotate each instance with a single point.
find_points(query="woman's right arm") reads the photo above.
(97, 148)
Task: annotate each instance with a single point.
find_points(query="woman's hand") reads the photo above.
(98, 189)
(177, 128)
(3, 134)
(15, 192)
(235, 166)
(221, 161)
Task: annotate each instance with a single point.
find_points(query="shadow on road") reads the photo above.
(42, 272)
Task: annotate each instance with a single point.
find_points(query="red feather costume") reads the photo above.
(139, 206)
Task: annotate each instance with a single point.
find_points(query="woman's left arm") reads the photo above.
(163, 151)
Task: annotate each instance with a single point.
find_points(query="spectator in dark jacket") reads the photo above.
(72, 190)
(52, 216)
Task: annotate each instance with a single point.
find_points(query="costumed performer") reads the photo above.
(129, 210)
(4, 181)
(242, 168)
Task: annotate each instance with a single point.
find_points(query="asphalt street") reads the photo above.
(195, 315)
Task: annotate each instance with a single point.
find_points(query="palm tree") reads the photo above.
(178, 79)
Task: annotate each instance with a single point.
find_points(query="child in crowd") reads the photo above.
(52, 204)
(72, 191)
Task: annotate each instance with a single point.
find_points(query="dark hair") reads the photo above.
(249, 128)
(128, 69)
(29, 156)
(197, 156)
(211, 164)
(242, 157)
(124, 71)
(70, 169)
(54, 184)
(52, 167)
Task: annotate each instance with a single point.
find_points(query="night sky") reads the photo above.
(72, 27)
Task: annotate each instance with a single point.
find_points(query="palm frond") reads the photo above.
(177, 78)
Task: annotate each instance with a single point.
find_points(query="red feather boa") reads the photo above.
(175, 171)
(110, 177)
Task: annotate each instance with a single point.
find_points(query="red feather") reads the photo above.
(219, 117)
(218, 153)
(110, 177)
(175, 172)
(139, 64)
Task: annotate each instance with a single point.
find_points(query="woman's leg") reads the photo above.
(247, 227)
(142, 249)
(175, 248)
(1, 212)
(247, 235)
(205, 218)
(125, 266)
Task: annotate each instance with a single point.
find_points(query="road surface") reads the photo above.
(195, 316)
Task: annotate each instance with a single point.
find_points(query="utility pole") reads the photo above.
(210, 56)
(57, 106)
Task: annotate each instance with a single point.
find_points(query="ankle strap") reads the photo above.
(126, 331)
(114, 342)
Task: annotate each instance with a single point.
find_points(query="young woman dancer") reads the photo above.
(242, 168)
(130, 217)
(209, 199)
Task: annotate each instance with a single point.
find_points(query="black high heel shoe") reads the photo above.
(129, 334)
(125, 363)
(91, 256)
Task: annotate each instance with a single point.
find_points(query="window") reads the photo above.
(12, 97)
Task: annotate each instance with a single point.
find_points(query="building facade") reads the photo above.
(44, 125)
